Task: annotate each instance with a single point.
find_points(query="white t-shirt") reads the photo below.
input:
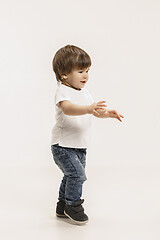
(72, 131)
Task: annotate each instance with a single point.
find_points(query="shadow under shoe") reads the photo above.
(76, 212)
(60, 209)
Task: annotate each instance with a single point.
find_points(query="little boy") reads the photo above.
(74, 108)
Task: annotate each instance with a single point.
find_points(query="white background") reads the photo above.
(122, 39)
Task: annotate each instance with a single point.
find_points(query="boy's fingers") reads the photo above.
(101, 102)
(102, 105)
(96, 112)
(120, 118)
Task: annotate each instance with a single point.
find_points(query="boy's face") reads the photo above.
(77, 78)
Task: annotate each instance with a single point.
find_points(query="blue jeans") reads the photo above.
(72, 162)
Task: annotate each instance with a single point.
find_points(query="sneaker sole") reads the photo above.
(61, 216)
(77, 222)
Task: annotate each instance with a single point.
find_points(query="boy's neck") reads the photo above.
(67, 84)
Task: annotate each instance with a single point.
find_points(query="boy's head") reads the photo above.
(69, 59)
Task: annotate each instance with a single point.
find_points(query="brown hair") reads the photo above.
(69, 58)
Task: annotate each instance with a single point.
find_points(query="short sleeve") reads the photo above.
(61, 95)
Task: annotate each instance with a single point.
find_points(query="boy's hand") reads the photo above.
(114, 114)
(108, 113)
(92, 108)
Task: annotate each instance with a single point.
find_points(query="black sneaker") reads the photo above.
(76, 212)
(60, 209)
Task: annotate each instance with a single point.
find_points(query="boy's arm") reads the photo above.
(71, 109)
(97, 109)
(74, 109)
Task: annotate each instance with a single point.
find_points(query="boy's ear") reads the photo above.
(64, 76)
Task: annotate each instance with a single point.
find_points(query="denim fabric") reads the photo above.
(72, 162)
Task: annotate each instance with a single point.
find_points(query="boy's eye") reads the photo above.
(82, 71)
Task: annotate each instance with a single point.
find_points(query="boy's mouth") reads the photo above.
(83, 81)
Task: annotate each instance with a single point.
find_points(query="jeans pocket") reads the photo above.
(54, 149)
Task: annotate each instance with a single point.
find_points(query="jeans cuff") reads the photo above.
(68, 202)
